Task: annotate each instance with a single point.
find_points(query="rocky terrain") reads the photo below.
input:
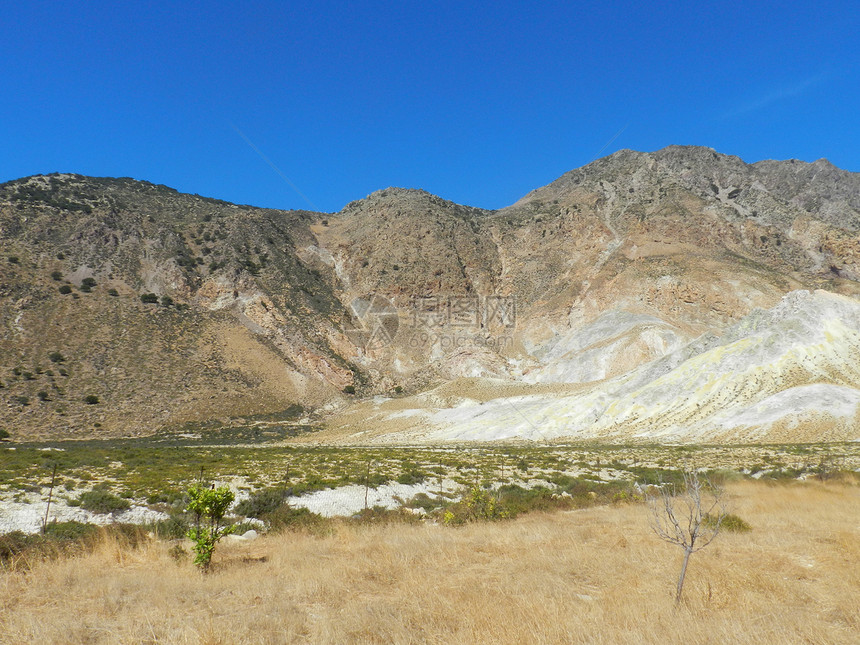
(680, 295)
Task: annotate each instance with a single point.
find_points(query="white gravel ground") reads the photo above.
(27, 515)
(348, 500)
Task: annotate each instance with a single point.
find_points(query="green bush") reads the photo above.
(262, 502)
(91, 399)
(57, 275)
(4, 434)
(423, 501)
(149, 298)
(285, 518)
(349, 389)
(113, 292)
(13, 259)
(87, 285)
(102, 502)
(173, 528)
(411, 476)
(70, 530)
(56, 357)
(65, 289)
(731, 523)
(477, 505)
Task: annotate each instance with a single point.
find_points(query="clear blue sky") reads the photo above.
(476, 102)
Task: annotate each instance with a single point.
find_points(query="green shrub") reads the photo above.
(4, 434)
(13, 259)
(478, 505)
(173, 528)
(349, 389)
(166, 301)
(285, 518)
(423, 501)
(87, 285)
(91, 399)
(70, 530)
(113, 292)
(65, 289)
(43, 395)
(102, 502)
(262, 502)
(149, 298)
(57, 275)
(411, 476)
(56, 357)
(731, 523)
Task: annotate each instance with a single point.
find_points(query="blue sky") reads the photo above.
(314, 104)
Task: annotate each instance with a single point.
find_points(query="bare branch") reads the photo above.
(689, 517)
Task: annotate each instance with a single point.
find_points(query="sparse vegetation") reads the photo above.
(102, 501)
(590, 577)
(87, 285)
(262, 502)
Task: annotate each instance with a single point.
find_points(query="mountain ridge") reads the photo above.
(609, 267)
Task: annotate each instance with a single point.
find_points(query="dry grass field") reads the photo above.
(590, 576)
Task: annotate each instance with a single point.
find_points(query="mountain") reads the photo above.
(679, 295)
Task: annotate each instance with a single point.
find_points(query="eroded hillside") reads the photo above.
(594, 306)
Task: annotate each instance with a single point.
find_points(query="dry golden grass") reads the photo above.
(592, 576)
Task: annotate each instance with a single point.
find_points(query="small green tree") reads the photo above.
(209, 505)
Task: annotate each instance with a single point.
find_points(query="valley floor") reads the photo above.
(596, 575)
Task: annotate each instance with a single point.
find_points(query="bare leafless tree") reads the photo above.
(688, 515)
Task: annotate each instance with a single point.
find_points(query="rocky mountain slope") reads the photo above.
(643, 295)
